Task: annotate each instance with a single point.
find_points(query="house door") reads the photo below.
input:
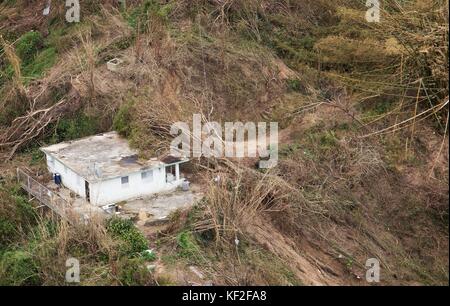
(88, 192)
(170, 173)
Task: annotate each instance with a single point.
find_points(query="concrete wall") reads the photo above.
(69, 178)
(113, 191)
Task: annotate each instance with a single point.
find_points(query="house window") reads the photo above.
(124, 180)
(147, 176)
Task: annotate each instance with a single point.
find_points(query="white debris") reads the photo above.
(114, 64)
(196, 272)
(47, 9)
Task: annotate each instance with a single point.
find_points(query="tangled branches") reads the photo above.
(26, 127)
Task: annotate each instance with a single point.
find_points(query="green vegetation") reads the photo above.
(44, 60)
(33, 248)
(289, 149)
(8, 231)
(188, 246)
(28, 46)
(149, 255)
(147, 12)
(122, 121)
(331, 81)
(133, 272)
(79, 126)
(133, 240)
(295, 85)
(18, 268)
(328, 140)
(36, 57)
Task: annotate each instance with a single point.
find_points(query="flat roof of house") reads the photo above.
(103, 156)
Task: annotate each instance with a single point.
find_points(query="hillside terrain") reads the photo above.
(362, 110)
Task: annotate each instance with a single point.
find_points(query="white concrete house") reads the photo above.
(104, 170)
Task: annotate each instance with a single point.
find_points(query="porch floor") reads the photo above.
(156, 209)
(145, 211)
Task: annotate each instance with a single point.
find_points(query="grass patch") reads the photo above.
(147, 12)
(43, 61)
(289, 149)
(35, 55)
(28, 46)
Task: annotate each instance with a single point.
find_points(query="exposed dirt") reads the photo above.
(383, 196)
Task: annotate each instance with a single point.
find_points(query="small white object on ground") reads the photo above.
(196, 272)
(47, 8)
(114, 64)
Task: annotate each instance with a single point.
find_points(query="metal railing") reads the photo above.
(49, 198)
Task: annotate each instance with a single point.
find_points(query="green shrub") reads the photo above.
(43, 61)
(133, 272)
(36, 156)
(322, 140)
(18, 268)
(17, 215)
(74, 128)
(328, 140)
(28, 46)
(7, 231)
(35, 59)
(25, 210)
(149, 10)
(134, 240)
(295, 85)
(149, 255)
(122, 120)
(188, 245)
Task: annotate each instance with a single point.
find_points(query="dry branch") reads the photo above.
(27, 127)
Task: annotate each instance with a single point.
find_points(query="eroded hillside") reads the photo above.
(362, 110)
